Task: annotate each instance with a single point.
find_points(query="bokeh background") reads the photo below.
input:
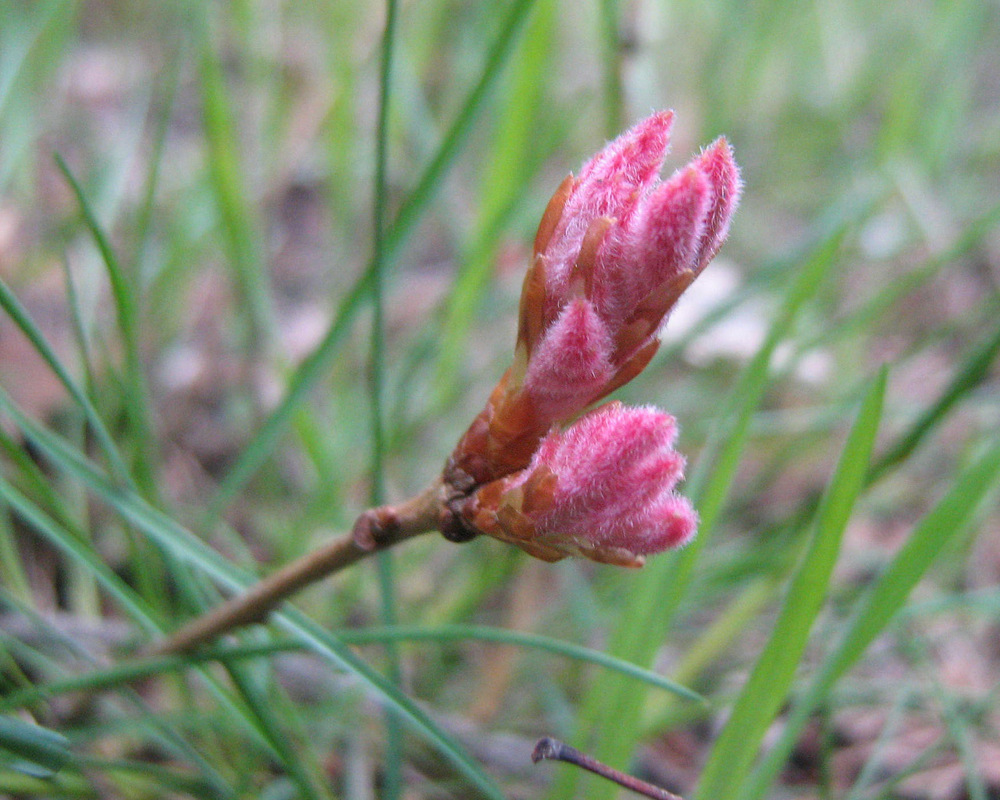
(187, 354)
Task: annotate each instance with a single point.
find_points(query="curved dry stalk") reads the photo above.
(376, 529)
(549, 748)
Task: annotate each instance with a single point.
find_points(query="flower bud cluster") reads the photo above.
(615, 249)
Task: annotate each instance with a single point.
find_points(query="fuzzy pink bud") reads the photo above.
(629, 244)
(603, 489)
(573, 360)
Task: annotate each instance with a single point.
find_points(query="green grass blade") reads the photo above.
(120, 674)
(771, 679)
(44, 752)
(159, 730)
(611, 68)
(80, 551)
(125, 294)
(12, 572)
(328, 646)
(878, 305)
(948, 519)
(969, 375)
(392, 785)
(19, 314)
(239, 227)
(293, 755)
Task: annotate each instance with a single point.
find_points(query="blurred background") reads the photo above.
(187, 248)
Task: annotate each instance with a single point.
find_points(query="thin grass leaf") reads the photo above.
(79, 330)
(226, 177)
(393, 772)
(970, 373)
(769, 683)
(315, 366)
(158, 730)
(157, 778)
(44, 752)
(325, 644)
(12, 572)
(59, 786)
(870, 772)
(164, 95)
(124, 292)
(611, 68)
(724, 630)
(958, 720)
(123, 673)
(20, 43)
(19, 314)
(34, 39)
(80, 551)
(947, 520)
(290, 753)
(659, 588)
(878, 305)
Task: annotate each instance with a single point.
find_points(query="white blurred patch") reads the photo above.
(741, 332)
(883, 235)
(181, 368)
(302, 331)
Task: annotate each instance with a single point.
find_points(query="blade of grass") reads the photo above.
(260, 702)
(948, 519)
(45, 752)
(877, 306)
(416, 204)
(68, 786)
(392, 779)
(869, 774)
(12, 572)
(957, 716)
(769, 683)
(164, 96)
(158, 778)
(120, 674)
(19, 314)
(33, 39)
(970, 373)
(80, 551)
(158, 729)
(611, 77)
(239, 227)
(125, 293)
(17, 52)
(658, 590)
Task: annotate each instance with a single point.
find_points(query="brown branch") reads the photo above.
(549, 748)
(376, 529)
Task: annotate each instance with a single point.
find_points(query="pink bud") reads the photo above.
(628, 243)
(571, 364)
(723, 175)
(604, 489)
